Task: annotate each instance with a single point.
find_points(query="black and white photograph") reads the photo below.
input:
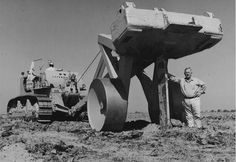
(117, 81)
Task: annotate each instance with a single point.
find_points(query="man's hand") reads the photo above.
(197, 94)
(200, 91)
(170, 75)
(173, 78)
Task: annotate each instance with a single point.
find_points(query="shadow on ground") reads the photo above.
(135, 125)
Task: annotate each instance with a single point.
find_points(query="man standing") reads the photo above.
(191, 88)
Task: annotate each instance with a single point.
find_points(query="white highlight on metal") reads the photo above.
(97, 117)
(112, 72)
(100, 69)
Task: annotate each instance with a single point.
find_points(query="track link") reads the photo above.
(45, 111)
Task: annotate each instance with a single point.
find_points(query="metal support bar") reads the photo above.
(110, 64)
(100, 69)
(125, 71)
(160, 83)
(151, 95)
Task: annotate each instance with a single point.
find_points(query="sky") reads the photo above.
(66, 31)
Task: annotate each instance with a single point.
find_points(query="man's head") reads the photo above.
(188, 72)
(51, 64)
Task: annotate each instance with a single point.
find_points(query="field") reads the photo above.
(140, 141)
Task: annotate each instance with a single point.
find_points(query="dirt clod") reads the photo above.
(6, 133)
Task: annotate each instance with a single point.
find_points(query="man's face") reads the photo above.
(188, 73)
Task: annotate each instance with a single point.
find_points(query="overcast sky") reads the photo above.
(65, 31)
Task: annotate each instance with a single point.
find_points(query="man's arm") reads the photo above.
(173, 78)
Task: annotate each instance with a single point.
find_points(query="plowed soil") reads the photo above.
(141, 141)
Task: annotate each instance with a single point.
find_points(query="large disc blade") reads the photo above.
(107, 106)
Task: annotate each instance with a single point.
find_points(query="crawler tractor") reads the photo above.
(54, 94)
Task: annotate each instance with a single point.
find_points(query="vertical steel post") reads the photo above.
(160, 83)
(125, 70)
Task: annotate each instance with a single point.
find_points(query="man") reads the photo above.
(51, 67)
(191, 88)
